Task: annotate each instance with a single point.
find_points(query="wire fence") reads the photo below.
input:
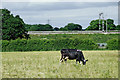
(72, 32)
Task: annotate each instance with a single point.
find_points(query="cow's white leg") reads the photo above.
(80, 62)
(61, 60)
(66, 57)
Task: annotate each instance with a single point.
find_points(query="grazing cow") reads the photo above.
(72, 54)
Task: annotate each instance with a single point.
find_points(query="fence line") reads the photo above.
(70, 32)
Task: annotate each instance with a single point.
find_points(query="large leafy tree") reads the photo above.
(48, 27)
(56, 29)
(94, 25)
(12, 26)
(111, 25)
(118, 27)
(0, 24)
(62, 29)
(39, 27)
(72, 26)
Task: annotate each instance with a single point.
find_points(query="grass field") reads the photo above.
(45, 64)
(98, 38)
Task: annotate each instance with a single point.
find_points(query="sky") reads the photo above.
(60, 13)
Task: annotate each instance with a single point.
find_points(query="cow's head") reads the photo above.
(84, 61)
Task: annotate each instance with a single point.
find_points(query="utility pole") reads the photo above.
(99, 21)
(106, 25)
(103, 24)
(48, 21)
(101, 17)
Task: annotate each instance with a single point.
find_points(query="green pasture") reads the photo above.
(45, 64)
(98, 38)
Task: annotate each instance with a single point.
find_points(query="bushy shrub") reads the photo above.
(17, 45)
(86, 45)
(5, 43)
(113, 44)
(47, 45)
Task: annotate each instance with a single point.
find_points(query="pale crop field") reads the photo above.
(45, 64)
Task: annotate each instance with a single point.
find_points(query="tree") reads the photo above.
(34, 28)
(111, 25)
(56, 29)
(72, 26)
(12, 27)
(27, 27)
(48, 27)
(39, 27)
(63, 29)
(118, 27)
(94, 25)
(0, 24)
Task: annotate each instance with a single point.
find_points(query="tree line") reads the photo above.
(94, 25)
(48, 27)
(13, 27)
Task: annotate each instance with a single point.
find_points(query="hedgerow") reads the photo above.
(113, 44)
(48, 45)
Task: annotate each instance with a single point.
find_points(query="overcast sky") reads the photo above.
(62, 13)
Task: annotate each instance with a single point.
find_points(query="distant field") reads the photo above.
(98, 38)
(45, 64)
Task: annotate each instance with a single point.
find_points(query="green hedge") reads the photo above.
(113, 44)
(47, 45)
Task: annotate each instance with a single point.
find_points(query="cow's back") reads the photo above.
(68, 50)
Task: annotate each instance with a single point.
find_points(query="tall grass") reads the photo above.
(98, 38)
(45, 64)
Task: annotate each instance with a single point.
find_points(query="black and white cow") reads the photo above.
(72, 54)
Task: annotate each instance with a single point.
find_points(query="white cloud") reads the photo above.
(15, 0)
(30, 0)
(60, 0)
(43, 6)
(0, 4)
(89, 0)
(61, 17)
(63, 13)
